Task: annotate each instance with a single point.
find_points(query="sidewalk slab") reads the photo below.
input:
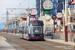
(61, 41)
(4, 45)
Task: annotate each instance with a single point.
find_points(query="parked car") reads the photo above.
(48, 33)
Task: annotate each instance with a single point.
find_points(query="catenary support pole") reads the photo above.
(40, 11)
(12, 23)
(15, 21)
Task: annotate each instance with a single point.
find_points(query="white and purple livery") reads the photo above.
(32, 30)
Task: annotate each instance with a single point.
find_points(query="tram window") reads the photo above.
(73, 18)
(31, 31)
(73, 26)
(37, 29)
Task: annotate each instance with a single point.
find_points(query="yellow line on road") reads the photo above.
(60, 42)
(4, 37)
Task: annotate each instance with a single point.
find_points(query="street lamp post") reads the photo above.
(15, 21)
(40, 11)
(29, 16)
(12, 22)
(29, 12)
(12, 25)
(7, 19)
(66, 32)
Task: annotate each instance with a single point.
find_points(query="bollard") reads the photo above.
(66, 34)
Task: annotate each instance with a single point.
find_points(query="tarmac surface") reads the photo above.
(13, 42)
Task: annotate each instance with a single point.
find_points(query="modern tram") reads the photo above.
(32, 30)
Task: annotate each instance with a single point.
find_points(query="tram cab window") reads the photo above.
(31, 31)
(37, 29)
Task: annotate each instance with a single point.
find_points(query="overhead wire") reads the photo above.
(19, 5)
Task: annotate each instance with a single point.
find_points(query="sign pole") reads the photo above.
(54, 18)
(12, 25)
(40, 11)
(66, 32)
(54, 26)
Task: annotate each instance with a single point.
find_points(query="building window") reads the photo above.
(73, 26)
(73, 18)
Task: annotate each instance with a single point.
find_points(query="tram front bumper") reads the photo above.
(36, 37)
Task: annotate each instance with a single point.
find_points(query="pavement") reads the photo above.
(61, 42)
(48, 38)
(8, 46)
(4, 45)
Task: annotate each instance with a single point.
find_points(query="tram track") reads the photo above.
(48, 45)
(38, 45)
(52, 46)
(31, 44)
(24, 43)
(18, 44)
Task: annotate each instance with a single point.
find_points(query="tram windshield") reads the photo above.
(37, 29)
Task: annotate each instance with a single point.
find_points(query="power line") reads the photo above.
(22, 3)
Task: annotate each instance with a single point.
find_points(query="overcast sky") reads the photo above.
(14, 4)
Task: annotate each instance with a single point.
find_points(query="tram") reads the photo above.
(32, 30)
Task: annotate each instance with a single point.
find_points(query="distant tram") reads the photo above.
(32, 30)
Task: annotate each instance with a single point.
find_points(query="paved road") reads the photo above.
(21, 44)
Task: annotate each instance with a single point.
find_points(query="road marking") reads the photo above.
(65, 47)
(4, 37)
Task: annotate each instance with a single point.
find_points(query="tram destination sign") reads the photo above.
(37, 24)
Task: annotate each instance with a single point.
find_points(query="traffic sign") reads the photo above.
(18, 20)
(48, 16)
(24, 19)
(54, 17)
(47, 20)
(59, 15)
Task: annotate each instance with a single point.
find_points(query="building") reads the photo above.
(38, 7)
(61, 5)
(70, 23)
